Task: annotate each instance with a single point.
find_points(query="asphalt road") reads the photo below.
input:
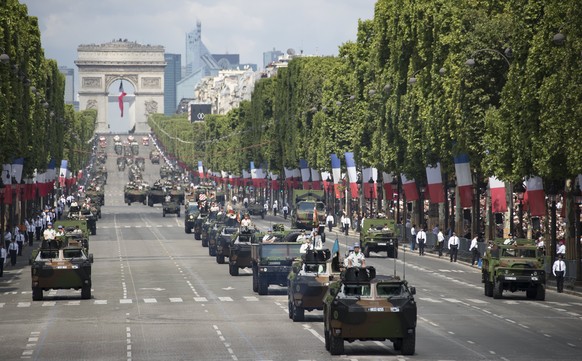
(158, 295)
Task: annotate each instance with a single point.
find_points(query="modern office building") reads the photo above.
(271, 56)
(69, 74)
(172, 75)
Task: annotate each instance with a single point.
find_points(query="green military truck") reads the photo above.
(363, 306)
(378, 235)
(514, 265)
(305, 204)
(308, 282)
(240, 249)
(68, 267)
(271, 262)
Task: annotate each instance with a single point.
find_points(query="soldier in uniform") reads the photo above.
(356, 259)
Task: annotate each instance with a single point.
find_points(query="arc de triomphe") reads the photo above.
(100, 65)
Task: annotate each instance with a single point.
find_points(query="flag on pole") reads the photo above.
(498, 199)
(200, 169)
(464, 180)
(335, 249)
(122, 94)
(536, 198)
(353, 176)
(17, 167)
(410, 189)
(435, 184)
(337, 175)
(315, 179)
(63, 172)
(305, 173)
(367, 174)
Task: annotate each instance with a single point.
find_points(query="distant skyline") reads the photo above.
(248, 28)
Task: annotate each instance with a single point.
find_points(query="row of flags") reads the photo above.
(309, 178)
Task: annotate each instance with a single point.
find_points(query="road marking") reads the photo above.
(430, 300)
(150, 300)
(126, 300)
(225, 299)
(452, 300)
(100, 302)
(177, 299)
(474, 300)
(23, 304)
(2, 305)
(74, 303)
(511, 321)
(200, 299)
(48, 303)
(251, 298)
(571, 344)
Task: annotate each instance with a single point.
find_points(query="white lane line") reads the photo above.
(176, 299)
(48, 303)
(100, 302)
(200, 299)
(23, 304)
(225, 299)
(251, 298)
(126, 300)
(571, 344)
(150, 300)
(474, 300)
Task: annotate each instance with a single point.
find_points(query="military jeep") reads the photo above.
(378, 235)
(308, 282)
(170, 206)
(240, 250)
(514, 265)
(366, 307)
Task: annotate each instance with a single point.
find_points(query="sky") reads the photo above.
(245, 27)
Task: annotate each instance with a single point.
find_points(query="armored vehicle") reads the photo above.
(177, 193)
(155, 156)
(309, 211)
(223, 242)
(68, 267)
(170, 207)
(134, 148)
(271, 262)
(514, 265)
(240, 250)
(257, 209)
(198, 222)
(96, 193)
(206, 226)
(102, 173)
(135, 193)
(165, 171)
(140, 163)
(191, 214)
(308, 282)
(83, 213)
(378, 235)
(225, 225)
(101, 157)
(145, 141)
(156, 194)
(121, 164)
(366, 307)
(118, 147)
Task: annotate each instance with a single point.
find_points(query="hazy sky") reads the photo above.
(248, 28)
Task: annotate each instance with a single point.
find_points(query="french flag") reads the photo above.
(305, 173)
(536, 197)
(498, 197)
(200, 169)
(324, 176)
(352, 175)
(337, 175)
(435, 184)
(17, 168)
(122, 94)
(410, 189)
(387, 180)
(367, 174)
(464, 180)
(289, 178)
(63, 172)
(315, 179)
(7, 173)
(274, 183)
(296, 177)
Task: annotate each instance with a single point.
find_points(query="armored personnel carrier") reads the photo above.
(514, 265)
(223, 241)
(140, 163)
(378, 235)
(156, 193)
(240, 250)
(309, 211)
(308, 282)
(155, 156)
(121, 164)
(118, 148)
(134, 148)
(366, 307)
(134, 193)
(257, 209)
(191, 214)
(225, 226)
(68, 267)
(170, 206)
(96, 193)
(79, 213)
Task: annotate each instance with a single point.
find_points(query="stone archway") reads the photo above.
(100, 65)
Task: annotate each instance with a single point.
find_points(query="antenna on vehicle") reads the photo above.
(404, 262)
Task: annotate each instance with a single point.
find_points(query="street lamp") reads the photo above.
(329, 196)
(577, 202)
(519, 190)
(421, 222)
(471, 61)
(395, 185)
(452, 189)
(371, 184)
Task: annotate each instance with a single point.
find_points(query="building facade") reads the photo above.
(172, 75)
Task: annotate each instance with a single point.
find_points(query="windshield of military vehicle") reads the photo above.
(230, 230)
(281, 250)
(356, 290)
(192, 208)
(390, 290)
(518, 253)
(49, 254)
(72, 253)
(308, 207)
(315, 268)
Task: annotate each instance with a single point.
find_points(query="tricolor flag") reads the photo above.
(435, 184)
(464, 180)
(337, 175)
(352, 175)
(387, 180)
(498, 198)
(200, 169)
(536, 197)
(315, 179)
(296, 177)
(274, 181)
(410, 189)
(63, 172)
(305, 173)
(17, 167)
(367, 174)
(51, 173)
(122, 94)
(7, 173)
(324, 176)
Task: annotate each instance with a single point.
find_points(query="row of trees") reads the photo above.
(35, 123)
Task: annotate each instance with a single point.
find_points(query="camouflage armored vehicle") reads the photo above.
(101, 173)
(135, 193)
(155, 156)
(257, 209)
(145, 141)
(514, 265)
(198, 223)
(68, 267)
(140, 163)
(206, 226)
(165, 171)
(240, 249)
(191, 214)
(271, 262)
(224, 227)
(366, 307)
(177, 193)
(378, 235)
(170, 207)
(134, 148)
(96, 193)
(78, 213)
(308, 282)
(118, 147)
(223, 242)
(101, 157)
(308, 206)
(156, 194)
(121, 164)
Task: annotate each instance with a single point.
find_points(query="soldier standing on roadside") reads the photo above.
(454, 247)
(13, 250)
(559, 271)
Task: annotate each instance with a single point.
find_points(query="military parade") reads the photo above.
(415, 196)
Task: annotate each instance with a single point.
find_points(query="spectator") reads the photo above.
(559, 271)
(413, 237)
(454, 247)
(474, 249)
(421, 241)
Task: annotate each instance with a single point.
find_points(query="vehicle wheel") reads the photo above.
(336, 345)
(188, 230)
(233, 270)
(263, 288)
(144, 202)
(178, 214)
(86, 292)
(541, 293)
(366, 252)
(326, 337)
(151, 204)
(211, 251)
(99, 215)
(93, 231)
(256, 281)
(497, 289)
(531, 293)
(219, 259)
(197, 236)
(263, 215)
(397, 344)
(163, 214)
(409, 344)
(37, 294)
(298, 314)
(204, 243)
(488, 289)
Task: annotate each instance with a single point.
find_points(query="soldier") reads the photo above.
(246, 222)
(440, 242)
(268, 238)
(307, 246)
(19, 237)
(285, 210)
(60, 231)
(3, 257)
(49, 233)
(474, 249)
(329, 220)
(30, 227)
(38, 227)
(13, 251)
(356, 259)
(350, 251)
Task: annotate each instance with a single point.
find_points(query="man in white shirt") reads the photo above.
(329, 221)
(19, 238)
(559, 271)
(440, 242)
(412, 237)
(474, 249)
(246, 222)
(7, 237)
(306, 246)
(3, 256)
(561, 250)
(49, 233)
(347, 224)
(356, 259)
(421, 241)
(268, 238)
(275, 207)
(13, 251)
(285, 211)
(454, 246)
